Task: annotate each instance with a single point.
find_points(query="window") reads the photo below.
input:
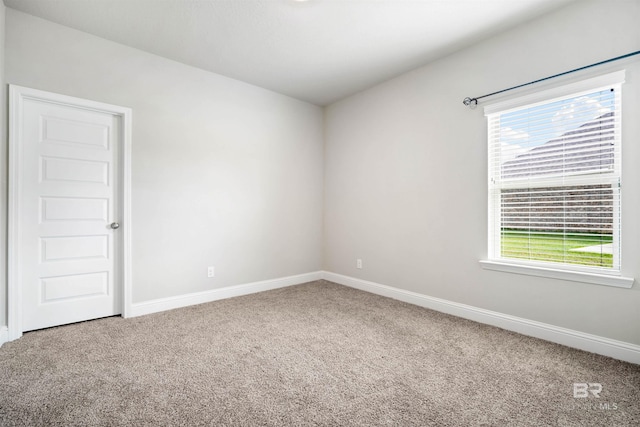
(555, 178)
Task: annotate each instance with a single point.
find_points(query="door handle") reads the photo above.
(115, 225)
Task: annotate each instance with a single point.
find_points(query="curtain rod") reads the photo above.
(472, 102)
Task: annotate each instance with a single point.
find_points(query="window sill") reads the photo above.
(574, 276)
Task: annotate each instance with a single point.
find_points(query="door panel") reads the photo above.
(56, 169)
(59, 130)
(74, 287)
(73, 248)
(68, 200)
(73, 209)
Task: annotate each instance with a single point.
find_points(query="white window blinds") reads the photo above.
(554, 180)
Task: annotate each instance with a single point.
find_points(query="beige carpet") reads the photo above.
(314, 354)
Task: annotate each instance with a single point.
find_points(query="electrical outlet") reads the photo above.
(359, 263)
(211, 271)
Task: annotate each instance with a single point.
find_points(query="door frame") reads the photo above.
(17, 95)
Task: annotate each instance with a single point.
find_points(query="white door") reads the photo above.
(69, 213)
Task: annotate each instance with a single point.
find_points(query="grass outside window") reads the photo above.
(557, 247)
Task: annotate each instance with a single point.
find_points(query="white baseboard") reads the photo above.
(595, 344)
(4, 335)
(162, 304)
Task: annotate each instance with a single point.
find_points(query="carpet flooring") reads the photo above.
(315, 354)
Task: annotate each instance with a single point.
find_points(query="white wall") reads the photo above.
(224, 173)
(3, 176)
(406, 173)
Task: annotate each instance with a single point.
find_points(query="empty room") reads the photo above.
(320, 212)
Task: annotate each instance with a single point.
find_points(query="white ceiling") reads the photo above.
(317, 50)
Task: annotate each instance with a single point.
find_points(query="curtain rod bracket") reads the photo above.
(470, 102)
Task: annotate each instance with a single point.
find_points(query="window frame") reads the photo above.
(573, 272)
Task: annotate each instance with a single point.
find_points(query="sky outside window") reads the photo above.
(525, 129)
